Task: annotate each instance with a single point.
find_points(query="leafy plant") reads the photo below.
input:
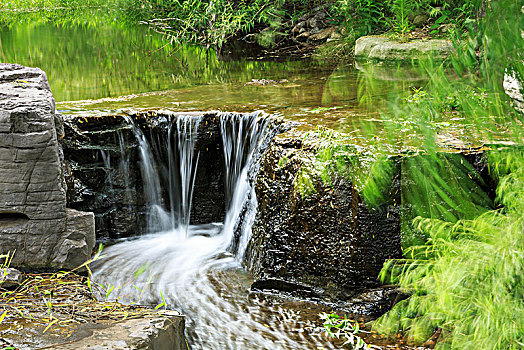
(362, 16)
(338, 327)
(400, 20)
(465, 271)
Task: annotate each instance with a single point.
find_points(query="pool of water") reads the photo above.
(109, 66)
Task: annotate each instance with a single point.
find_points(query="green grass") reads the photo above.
(465, 272)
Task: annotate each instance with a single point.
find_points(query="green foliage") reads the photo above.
(370, 171)
(215, 22)
(465, 271)
(345, 328)
(400, 21)
(443, 186)
(361, 17)
(467, 279)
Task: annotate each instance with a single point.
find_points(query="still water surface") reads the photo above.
(98, 64)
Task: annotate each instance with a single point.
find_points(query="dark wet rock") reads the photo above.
(376, 302)
(379, 48)
(328, 245)
(33, 216)
(10, 277)
(315, 26)
(104, 176)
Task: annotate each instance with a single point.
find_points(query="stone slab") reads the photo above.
(379, 48)
(148, 333)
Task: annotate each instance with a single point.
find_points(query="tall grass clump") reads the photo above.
(465, 276)
(468, 277)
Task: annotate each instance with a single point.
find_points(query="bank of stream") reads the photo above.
(196, 268)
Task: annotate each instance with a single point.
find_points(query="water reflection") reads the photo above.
(113, 59)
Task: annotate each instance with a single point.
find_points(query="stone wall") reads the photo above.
(328, 245)
(34, 220)
(103, 169)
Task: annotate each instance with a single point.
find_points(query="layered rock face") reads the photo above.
(34, 220)
(103, 169)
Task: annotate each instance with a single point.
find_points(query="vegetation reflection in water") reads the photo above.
(100, 60)
(112, 60)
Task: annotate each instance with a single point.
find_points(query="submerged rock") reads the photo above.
(33, 217)
(379, 48)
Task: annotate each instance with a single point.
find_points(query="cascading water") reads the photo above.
(242, 136)
(106, 159)
(124, 162)
(183, 164)
(196, 268)
(157, 218)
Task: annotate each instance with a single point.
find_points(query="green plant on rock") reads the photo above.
(346, 329)
(400, 21)
(371, 171)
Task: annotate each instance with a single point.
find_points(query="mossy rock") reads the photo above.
(379, 48)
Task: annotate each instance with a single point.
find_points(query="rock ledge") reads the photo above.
(379, 48)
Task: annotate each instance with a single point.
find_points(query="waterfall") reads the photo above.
(106, 159)
(158, 220)
(182, 167)
(242, 137)
(200, 273)
(124, 163)
(180, 141)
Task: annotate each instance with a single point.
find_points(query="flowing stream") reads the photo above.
(197, 269)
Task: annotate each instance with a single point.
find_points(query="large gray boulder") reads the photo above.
(379, 48)
(34, 221)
